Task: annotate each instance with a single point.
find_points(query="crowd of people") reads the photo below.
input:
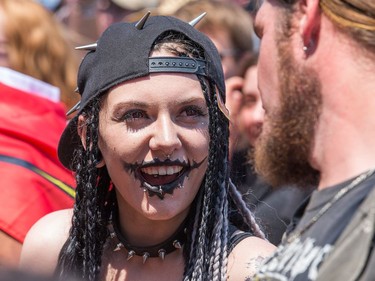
(187, 140)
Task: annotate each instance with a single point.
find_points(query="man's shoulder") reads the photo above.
(356, 239)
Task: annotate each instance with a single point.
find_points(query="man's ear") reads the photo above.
(82, 132)
(309, 24)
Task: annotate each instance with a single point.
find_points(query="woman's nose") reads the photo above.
(165, 137)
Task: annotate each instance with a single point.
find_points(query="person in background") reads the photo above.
(149, 146)
(34, 44)
(37, 82)
(229, 26)
(112, 11)
(316, 75)
(85, 20)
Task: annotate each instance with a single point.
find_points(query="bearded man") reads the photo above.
(316, 75)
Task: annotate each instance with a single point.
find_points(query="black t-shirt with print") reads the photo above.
(301, 258)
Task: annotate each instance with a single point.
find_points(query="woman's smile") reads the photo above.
(161, 177)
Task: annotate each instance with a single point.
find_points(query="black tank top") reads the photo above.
(236, 236)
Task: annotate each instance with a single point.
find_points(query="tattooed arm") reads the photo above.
(246, 257)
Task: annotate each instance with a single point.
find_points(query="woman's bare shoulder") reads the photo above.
(44, 241)
(247, 256)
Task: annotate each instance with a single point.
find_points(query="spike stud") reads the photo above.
(74, 108)
(139, 25)
(118, 247)
(145, 256)
(161, 253)
(131, 254)
(177, 244)
(90, 47)
(197, 19)
(112, 233)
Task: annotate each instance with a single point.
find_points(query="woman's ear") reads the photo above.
(101, 162)
(82, 132)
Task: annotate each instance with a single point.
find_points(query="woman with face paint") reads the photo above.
(149, 147)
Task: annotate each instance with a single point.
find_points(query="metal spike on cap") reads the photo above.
(197, 19)
(90, 47)
(74, 108)
(139, 25)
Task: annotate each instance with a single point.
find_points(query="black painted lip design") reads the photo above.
(161, 190)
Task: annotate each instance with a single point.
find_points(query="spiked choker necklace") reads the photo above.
(173, 243)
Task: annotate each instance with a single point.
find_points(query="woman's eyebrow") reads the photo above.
(190, 100)
(137, 104)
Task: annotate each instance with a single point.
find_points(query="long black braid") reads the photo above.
(205, 251)
(81, 255)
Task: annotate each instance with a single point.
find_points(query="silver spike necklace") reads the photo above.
(343, 191)
(175, 242)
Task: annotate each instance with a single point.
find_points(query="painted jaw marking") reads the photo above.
(160, 177)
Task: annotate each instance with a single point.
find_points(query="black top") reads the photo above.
(301, 258)
(236, 236)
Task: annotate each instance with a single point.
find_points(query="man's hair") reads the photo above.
(356, 18)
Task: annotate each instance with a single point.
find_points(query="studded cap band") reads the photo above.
(167, 64)
(177, 64)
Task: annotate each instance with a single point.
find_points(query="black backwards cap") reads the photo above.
(122, 54)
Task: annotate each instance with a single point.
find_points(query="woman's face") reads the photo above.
(154, 141)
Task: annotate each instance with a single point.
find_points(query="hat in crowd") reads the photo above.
(135, 5)
(51, 5)
(122, 54)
